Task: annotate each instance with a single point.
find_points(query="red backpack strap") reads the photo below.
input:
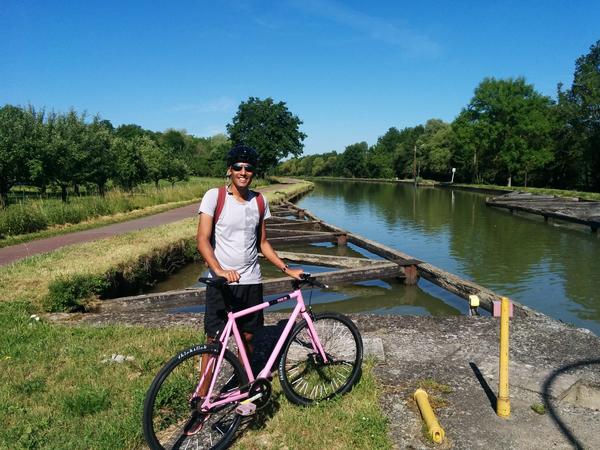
(260, 202)
(222, 193)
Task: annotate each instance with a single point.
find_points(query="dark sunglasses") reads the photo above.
(239, 166)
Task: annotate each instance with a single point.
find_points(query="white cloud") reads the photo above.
(373, 27)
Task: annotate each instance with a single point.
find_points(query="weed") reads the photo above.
(539, 408)
(86, 400)
(429, 384)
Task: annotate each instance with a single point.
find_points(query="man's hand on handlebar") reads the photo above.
(232, 276)
(294, 273)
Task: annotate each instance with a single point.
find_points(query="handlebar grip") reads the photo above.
(213, 281)
(309, 279)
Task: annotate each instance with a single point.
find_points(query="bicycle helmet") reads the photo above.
(241, 153)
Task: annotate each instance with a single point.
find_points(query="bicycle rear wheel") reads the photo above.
(303, 375)
(170, 414)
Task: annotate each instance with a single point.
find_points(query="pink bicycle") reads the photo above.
(319, 357)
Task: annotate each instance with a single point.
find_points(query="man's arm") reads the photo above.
(205, 228)
(267, 250)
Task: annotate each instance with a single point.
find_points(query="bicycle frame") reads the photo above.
(231, 328)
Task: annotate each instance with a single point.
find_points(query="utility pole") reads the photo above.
(415, 165)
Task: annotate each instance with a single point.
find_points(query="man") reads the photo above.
(230, 247)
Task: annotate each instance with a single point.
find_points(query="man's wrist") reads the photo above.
(284, 268)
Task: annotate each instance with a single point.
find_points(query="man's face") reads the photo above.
(241, 174)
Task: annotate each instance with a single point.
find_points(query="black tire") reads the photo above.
(304, 377)
(167, 407)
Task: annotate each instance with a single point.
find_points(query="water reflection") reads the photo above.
(373, 296)
(550, 268)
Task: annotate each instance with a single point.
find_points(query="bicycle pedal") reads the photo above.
(246, 409)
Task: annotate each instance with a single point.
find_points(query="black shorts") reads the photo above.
(240, 297)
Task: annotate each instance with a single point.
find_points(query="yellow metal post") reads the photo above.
(435, 430)
(503, 403)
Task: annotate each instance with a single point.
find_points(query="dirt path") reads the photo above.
(20, 251)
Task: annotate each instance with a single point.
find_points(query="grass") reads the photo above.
(57, 393)
(95, 222)
(30, 278)
(354, 420)
(539, 408)
(31, 219)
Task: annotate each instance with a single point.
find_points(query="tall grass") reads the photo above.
(29, 216)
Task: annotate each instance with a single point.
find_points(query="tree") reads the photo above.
(16, 147)
(510, 125)
(404, 153)
(155, 159)
(268, 127)
(100, 160)
(131, 168)
(354, 160)
(582, 105)
(380, 158)
(435, 147)
(129, 131)
(67, 157)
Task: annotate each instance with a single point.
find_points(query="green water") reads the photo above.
(549, 267)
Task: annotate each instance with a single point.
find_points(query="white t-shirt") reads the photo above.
(236, 233)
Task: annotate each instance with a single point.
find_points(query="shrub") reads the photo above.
(70, 293)
(22, 218)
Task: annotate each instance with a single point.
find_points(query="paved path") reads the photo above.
(20, 251)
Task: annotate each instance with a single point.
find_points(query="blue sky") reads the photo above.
(350, 70)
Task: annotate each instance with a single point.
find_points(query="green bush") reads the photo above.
(71, 293)
(22, 218)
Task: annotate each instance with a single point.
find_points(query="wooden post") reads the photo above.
(411, 275)
(342, 239)
(301, 214)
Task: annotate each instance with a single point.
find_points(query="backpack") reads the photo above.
(222, 194)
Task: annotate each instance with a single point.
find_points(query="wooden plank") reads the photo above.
(274, 219)
(552, 214)
(328, 260)
(274, 232)
(193, 297)
(296, 225)
(307, 239)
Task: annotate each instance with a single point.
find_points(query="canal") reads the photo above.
(550, 267)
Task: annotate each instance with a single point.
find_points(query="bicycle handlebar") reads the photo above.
(309, 279)
(305, 278)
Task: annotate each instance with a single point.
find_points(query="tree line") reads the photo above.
(508, 133)
(68, 151)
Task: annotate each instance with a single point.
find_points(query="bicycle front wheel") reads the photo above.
(172, 418)
(304, 376)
